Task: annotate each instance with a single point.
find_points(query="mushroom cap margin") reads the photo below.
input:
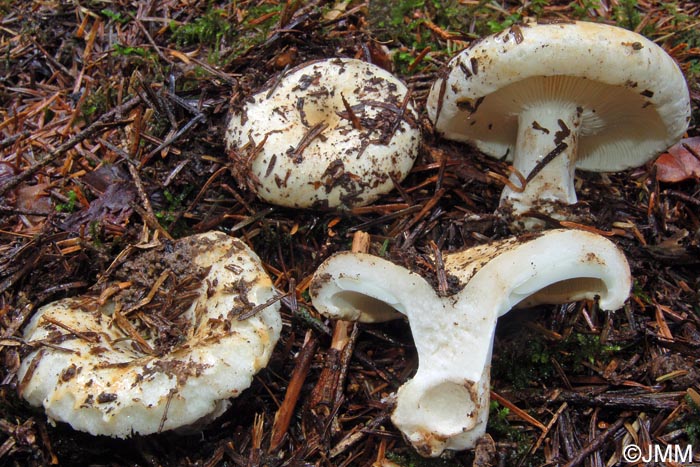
(343, 166)
(108, 388)
(611, 62)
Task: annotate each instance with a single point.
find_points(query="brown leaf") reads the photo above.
(680, 162)
(34, 198)
(114, 205)
(379, 55)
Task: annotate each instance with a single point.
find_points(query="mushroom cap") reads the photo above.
(632, 96)
(276, 135)
(104, 384)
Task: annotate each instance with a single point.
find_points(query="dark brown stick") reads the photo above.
(596, 443)
(325, 395)
(284, 414)
(561, 147)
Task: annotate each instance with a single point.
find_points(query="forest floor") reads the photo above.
(112, 116)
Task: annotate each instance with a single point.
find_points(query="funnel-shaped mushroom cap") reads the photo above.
(445, 405)
(331, 133)
(113, 370)
(630, 97)
(553, 267)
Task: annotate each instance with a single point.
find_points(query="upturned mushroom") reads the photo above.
(555, 97)
(445, 405)
(127, 360)
(334, 133)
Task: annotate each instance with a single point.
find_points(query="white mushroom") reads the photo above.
(556, 97)
(445, 405)
(100, 364)
(330, 133)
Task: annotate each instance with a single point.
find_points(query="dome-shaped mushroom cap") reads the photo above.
(632, 96)
(302, 146)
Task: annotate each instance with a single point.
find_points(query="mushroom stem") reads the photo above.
(445, 405)
(634, 98)
(545, 153)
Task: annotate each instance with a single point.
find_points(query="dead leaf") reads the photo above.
(380, 56)
(680, 162)
(34, 198)
(113, 204)
(679, 248)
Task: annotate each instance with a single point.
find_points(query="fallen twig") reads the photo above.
(284, 414)
(107, 118)
(596, 443)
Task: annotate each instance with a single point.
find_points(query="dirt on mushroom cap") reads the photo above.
(156, 364)
(331, 133)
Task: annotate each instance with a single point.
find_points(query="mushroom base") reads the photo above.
(543, 214)
(447, 415)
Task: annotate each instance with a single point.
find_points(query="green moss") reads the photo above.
(70, 205)
(127, 50)
(691, 420)
(115, 16)
(221, 36)
(412, 459)
(169, 215)
(499, 25)
(403, 26)
(207, 30)
(142, 58)
(626, 14)
(385, 247)
(537, 7)
(528, 359)
(638, 291)
(498, 419)
(580, 10)
(501, 429)
(96, 103)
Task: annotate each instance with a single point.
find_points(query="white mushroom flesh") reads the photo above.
(303, 148)
(555, 180)
(89, 371)
(619, 98)
(445, 405)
